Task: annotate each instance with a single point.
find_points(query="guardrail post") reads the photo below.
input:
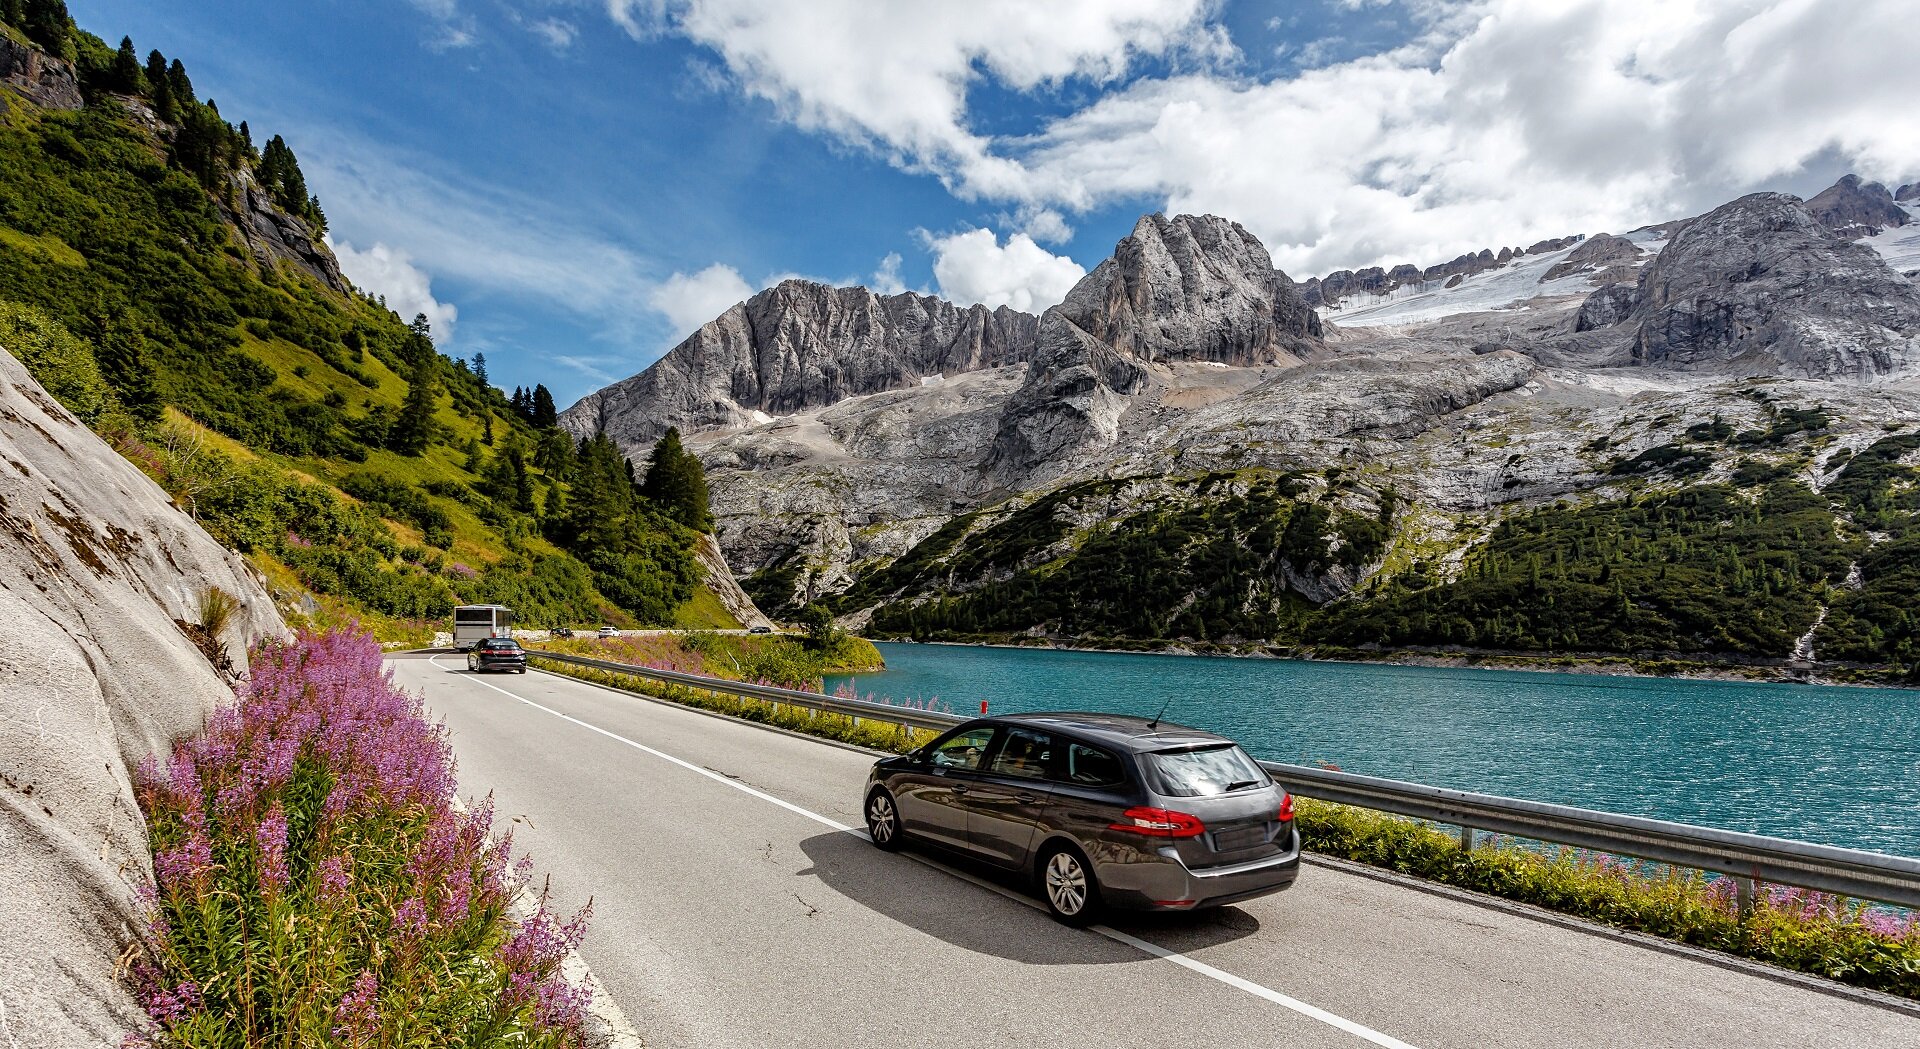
(1466, 838)
(1744, 891)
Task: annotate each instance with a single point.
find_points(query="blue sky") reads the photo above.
(571, 185)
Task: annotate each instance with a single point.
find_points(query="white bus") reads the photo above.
(474, 623)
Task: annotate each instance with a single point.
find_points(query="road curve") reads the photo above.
(732, 909)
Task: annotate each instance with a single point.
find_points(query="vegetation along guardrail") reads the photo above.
(1748, 858)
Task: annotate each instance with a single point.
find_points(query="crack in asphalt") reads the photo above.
(811, 909)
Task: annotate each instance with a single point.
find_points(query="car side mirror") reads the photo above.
(917, 755)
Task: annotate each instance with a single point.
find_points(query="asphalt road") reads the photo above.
(737, 903)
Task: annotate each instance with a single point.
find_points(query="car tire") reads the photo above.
(883, 821)
(1068, 886)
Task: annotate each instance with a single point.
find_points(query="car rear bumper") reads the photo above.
(501, 664)
(1165, 883)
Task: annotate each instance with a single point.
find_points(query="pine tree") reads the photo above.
(677, 484)
(121, 351)
(13, 12)
(413, 430)
(486, 432)
(182, 87)
(156, 69)
(480, 368)
(541, 408)
(127, 77)
(47, 24)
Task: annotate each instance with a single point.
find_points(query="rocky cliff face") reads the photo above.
(95, 674)
(44, 80)
(797, 346)
(1760, 286)
(1190, 289)
(1855, 209)
(274, 236)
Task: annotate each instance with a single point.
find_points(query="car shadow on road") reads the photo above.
(934, 901)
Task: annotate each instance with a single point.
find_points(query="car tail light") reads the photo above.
(1286, 807)
(1160, 823)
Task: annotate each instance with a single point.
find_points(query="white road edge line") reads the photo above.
(1312, 1012)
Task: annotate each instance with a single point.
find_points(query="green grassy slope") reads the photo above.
(284, 413)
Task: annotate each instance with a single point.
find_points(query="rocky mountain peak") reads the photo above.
(801, 345)
(1761, 286)
(1195, 288)
(1854, 209)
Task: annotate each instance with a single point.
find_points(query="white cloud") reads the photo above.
(452, 27)
(1508, 121)
(381, 270)
(886, 279)
(557, 33)
(690, 300)
(1502, 121)
(975, 267)
(896, 76)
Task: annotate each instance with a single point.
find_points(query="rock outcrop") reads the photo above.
(1602, 255)
(719, 579)
(796, 346)
(1856, 209)
(1759, 286)
(273, 236)
(1177, 290)
(44, 80)
(95, 674)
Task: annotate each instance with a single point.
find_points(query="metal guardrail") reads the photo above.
(1748, 858)
(932, 720)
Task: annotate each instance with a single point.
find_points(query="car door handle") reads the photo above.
(959, 788)
(1025, 798)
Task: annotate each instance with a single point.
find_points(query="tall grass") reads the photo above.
(316, 885)
(1813, 932)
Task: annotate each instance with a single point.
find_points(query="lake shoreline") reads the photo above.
(1594, 664)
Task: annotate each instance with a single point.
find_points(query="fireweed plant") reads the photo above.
(317, 885)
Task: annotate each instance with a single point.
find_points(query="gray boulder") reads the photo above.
(1596, 253)
(95, 674)
(1758, 286)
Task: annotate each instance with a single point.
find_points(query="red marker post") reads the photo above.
(983, 708)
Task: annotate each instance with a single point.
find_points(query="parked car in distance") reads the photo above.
(497, 653)
(607, 631)
(1100, 810)
(560, 631)
(761, 628)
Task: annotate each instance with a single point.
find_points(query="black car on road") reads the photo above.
(1100, 810)
(497, 653)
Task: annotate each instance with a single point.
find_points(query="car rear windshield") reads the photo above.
(1201, 772)
(499, 643)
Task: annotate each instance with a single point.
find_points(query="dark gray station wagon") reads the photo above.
(1101, 810)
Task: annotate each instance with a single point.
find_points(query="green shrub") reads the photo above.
(56, 358)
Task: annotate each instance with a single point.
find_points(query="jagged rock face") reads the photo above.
(1758, 286)
(1595, 254)
(1855, 209)
(95, 674)
(1182, 289)
(1329, 291)
(1610, 305)
(275, 236)
(1191, 288)
(1910, 191)
(44, 80)
(797, 346)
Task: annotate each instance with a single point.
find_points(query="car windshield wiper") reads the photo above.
(1242, 785)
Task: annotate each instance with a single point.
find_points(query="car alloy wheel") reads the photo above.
(883, 821)
(1069, 887)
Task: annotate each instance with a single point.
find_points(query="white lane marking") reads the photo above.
(1312, 1012)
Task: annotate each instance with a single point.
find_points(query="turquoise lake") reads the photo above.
(1817, 763)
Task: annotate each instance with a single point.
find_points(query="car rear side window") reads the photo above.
(1024, 753)
(1092, 767)
(1201, 772)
